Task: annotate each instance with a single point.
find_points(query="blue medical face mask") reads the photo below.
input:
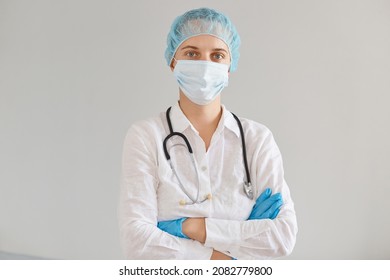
(200, 80)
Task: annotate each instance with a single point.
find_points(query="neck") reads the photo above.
(202, 117)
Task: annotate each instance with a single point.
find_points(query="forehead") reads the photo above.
(204, 42)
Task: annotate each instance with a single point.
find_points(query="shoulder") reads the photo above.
(255, 126)
(258, 136)
(254, 129)
(147, 129)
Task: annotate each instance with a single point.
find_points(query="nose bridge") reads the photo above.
(205, 55)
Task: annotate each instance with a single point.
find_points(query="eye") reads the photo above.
(191, 54)
(218, 56)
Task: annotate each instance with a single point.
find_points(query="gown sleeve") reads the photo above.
(137, 210)
(259, 239)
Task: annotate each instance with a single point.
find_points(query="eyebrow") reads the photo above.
(189, 47)
(219, 50)
(196, 48)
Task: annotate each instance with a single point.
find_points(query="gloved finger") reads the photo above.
(268, 207)
(264, 195)
(271, 211)
(275, 214)
(261, 208)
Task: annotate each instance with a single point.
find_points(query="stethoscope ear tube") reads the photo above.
(169, 120)
(171, 133)
(248, 183)
(168, 157)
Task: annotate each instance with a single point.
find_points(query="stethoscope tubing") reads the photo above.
(247, 185)
(248, 178)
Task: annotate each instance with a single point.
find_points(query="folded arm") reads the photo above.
(138, 212)
(267, 206)
(266, 234)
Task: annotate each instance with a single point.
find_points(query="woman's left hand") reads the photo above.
(267, 206)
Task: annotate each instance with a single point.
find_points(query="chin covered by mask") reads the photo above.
(201, 81)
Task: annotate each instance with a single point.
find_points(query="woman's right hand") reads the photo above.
(173, 227)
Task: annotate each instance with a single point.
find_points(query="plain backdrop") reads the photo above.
(74, 75)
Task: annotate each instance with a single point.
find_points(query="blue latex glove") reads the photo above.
(173, 227)
(267, 206)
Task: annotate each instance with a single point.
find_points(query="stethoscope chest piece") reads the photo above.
(248, 190)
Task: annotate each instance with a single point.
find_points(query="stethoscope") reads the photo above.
(248, 189)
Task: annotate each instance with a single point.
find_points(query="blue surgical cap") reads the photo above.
(200, 22)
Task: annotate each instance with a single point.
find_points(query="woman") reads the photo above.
(197, 182)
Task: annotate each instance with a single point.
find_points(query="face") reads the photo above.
(203, 47)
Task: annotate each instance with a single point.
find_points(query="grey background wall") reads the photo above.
(75, 74)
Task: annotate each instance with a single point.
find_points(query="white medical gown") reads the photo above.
(150, 191)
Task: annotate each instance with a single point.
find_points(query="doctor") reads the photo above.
(198, 182)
